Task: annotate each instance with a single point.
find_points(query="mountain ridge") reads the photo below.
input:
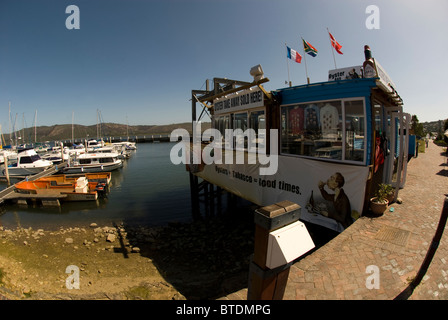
(61, 132)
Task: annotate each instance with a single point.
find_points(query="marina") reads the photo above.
(139, 193)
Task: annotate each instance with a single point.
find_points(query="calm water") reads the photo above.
(149, 190)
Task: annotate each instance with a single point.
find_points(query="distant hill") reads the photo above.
(61, 132)
(433, 126)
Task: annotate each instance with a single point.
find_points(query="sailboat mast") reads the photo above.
(10, 129)
(73, 117)
(97, 133)
(35, 123)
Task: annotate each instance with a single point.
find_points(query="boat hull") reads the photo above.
(92, 168)
(99, 177)
(14, 171)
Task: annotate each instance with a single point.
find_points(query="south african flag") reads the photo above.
(308, 48)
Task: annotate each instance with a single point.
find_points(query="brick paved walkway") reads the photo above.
(396, 243)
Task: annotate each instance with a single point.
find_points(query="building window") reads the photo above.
(257, 122)
(317, 130)
(240, 123)
(354, 130)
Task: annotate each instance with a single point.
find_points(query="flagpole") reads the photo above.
(332, 50)
(287, 64)
(306, 67)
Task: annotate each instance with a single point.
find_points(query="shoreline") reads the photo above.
(203, 259)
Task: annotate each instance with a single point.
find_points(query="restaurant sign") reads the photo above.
(247, 99)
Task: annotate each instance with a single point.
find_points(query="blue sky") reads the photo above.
(138, 60)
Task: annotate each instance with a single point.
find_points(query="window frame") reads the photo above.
(231, 119)
(343, 129)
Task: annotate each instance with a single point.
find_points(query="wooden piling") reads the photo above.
(265, 283)
(6, 170)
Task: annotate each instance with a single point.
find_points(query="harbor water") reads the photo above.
(148, 191)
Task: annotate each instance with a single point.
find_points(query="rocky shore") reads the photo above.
(200, 260)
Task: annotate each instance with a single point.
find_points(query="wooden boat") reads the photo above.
(99, 177)
(77, 190)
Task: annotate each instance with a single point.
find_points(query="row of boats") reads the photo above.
(85, 175)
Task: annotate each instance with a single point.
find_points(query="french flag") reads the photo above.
(294, 55)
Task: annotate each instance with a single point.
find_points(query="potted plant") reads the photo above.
(379, 203)
(389, 190)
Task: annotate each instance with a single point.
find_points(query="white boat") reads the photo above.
(128, 145)
(28, 163)
(59, 154)
(56, 155)
(93, 162)
(110, 149)
(41, 148)
(11, 155)
(93, 144)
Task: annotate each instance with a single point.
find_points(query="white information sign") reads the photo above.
(309, 183)
(247, 99)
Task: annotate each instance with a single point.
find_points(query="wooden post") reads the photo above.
(6, 170)
(265, 283)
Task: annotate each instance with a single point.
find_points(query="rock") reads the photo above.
(135, 249)
(111, 237)
(25, 243)
(69, 240)
(93, 225)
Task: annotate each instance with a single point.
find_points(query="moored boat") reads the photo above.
(77, 190)
(28, 163)
(94, 162)
(99, 177)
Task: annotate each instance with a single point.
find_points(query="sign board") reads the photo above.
(345, 73)
(384, 80)
(243, 100)
(287, 244)
(297, 180)
(377, 71)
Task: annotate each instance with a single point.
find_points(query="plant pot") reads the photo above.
(378, 208)
(390, 197)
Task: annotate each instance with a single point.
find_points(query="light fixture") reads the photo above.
(257, 72)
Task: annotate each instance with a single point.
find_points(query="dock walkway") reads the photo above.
(395, 244)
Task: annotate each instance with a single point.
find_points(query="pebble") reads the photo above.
(69, 240)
